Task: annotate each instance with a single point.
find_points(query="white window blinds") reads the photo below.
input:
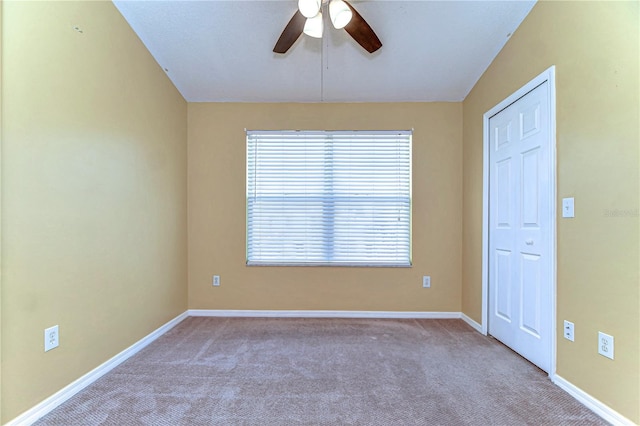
(329, 198)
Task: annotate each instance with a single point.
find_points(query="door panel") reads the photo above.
(503, 287)
(530, 120)
(530, 294)
(530, 188)
(503, 190)
(520, 227)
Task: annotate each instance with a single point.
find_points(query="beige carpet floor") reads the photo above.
(254, 371)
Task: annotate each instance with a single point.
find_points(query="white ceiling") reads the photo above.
(221, 50)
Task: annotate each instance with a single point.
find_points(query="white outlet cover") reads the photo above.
(51, 338)
(426, 281)
(569, 330)
(605, 345)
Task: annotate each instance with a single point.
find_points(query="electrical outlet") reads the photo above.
(51, 338)
(426, 281)
(605, 345)
(216, 280)
(568, 330)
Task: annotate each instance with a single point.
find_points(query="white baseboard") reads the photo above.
(32, 415)
(320, 314)
(598, 407)
(477, 326)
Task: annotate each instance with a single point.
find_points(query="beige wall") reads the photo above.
(94, 194)
(594, 46)
(1, 38)
(217, 150)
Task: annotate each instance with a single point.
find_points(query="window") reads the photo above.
(329, 198)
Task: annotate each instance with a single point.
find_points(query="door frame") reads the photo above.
(546, 76)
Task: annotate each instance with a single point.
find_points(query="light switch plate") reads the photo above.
(567, 207)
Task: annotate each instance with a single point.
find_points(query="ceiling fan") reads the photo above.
(308, 19)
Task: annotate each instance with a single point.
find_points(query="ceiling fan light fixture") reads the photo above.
(313, 26)
(352, 22)
(340, 13)
(309, 8)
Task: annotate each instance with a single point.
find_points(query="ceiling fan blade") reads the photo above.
(362, 32)
(290, 33)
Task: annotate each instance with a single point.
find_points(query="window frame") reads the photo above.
(407, 261)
